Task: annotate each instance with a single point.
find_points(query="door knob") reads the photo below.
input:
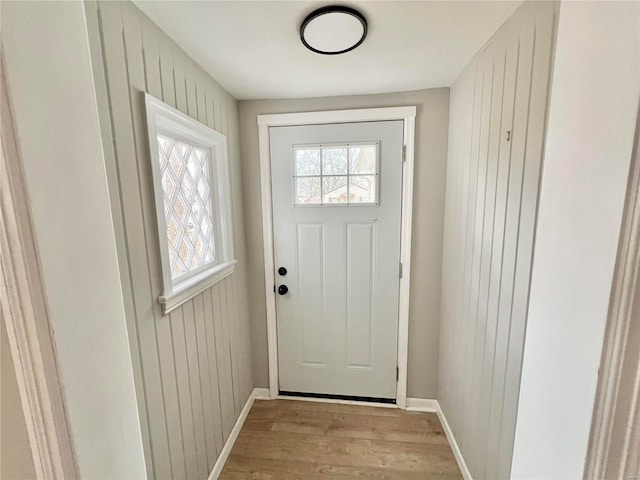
(282, 271)
(282, 289)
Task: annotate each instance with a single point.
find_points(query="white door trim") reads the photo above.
(408, 115)
(615, 435)
(23, 309)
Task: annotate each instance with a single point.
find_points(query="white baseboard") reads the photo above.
(430, 405)
(261, 394)
(466, 474)
(422, 405)
(233, 436)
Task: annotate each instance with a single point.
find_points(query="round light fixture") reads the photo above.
(333, 30)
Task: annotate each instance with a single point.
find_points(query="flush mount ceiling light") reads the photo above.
(333, 30)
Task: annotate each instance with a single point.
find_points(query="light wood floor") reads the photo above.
(287, 440)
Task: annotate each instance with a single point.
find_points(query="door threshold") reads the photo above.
(344, 399)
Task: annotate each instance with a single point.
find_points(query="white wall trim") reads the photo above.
(433, 406)
(256, 393)
(336, 116)
(422, 405)
(261, 393)
(466, 474)
(407, 114)
(612, 452)
(23, 308)
(405, 257)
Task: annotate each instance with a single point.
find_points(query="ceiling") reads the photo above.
(253, 47)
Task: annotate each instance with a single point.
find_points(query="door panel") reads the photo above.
(337, 210)
(361, 256)
(310, 247)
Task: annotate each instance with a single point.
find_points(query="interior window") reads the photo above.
(193, 205)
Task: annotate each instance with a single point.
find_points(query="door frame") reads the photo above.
(24, 310)
(408, 115)
(614, 433)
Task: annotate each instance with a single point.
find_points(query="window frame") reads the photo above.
(162, 119)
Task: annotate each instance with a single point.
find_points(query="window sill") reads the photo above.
(196, 286)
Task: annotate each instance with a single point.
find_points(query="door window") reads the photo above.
(334, 175)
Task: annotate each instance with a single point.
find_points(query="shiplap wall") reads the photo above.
(491, 203)
(192, 367)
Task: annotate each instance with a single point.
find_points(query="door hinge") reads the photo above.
(404, 153)
(400, 270)
(397, 373)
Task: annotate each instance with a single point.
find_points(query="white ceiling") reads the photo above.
(253, 47)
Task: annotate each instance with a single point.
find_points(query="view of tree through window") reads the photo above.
(336, 174)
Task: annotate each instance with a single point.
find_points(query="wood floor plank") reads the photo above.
(296, 421)
(416, 428)
(241, 467)
(343, 408)
(289, 440)
(353, 452)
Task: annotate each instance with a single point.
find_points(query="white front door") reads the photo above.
(337, 192)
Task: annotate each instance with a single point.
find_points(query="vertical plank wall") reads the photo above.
(192, 367)
(491, 202)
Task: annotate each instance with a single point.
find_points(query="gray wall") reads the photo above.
(430, 162)
(582, 197)
(193, 367)
(57, 132)
(492, 191)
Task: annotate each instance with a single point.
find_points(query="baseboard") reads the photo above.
(233, 436)
(422, 405)
(261, 394)
(466, 474)
(430, 405)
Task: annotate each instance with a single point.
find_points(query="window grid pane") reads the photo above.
(362, 159)
(307, 162)
(335, 189)
(334, 161)
(187, 205)
(308, 191)
(362, 189)
(337, 175)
